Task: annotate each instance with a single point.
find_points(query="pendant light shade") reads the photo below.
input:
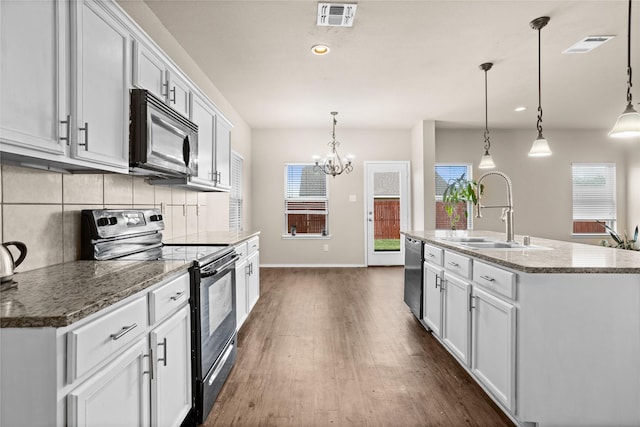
(486, 161)
(628, 124)
(540, 147)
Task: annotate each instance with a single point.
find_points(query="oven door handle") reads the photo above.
(218, 270)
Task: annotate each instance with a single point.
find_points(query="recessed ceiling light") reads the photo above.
(518, 109)
(320, 49)
(587, 44)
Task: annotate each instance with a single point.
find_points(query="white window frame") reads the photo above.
(236, 200)
(469, 176)
(325, 199)
(611, 218)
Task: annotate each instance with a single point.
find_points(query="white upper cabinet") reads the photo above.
(149, 72)
(204, 117)
(223, 154)
(178, 94)
(33, 76)
(101, 86)
(152, 73)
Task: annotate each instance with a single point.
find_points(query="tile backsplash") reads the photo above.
(42, 209)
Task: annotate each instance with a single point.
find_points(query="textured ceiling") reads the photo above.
(407, 61)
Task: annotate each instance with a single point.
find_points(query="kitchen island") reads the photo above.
(551, 331)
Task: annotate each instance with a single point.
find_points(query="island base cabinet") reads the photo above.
(456, 317)
(493, 345)
(119, 393)
(171, 384)
(432, 304)
(579, 349)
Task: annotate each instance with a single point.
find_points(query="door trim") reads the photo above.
(366, 164)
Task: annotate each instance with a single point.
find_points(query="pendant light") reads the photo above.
(540, 147)
(628, 124)
(333, 164)
(486, 161)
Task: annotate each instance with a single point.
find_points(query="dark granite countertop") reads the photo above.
(546, 256)
(59, 295)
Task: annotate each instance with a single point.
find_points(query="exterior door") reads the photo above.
(387, 211)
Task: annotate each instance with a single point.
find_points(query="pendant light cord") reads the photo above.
(487, 143)
(629, 84)
(539, 123)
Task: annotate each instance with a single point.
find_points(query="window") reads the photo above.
(235, 197)
(594, 197)
(306, 205)
(444, 174)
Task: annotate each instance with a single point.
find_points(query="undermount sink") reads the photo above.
(494, 245)
(465, 239)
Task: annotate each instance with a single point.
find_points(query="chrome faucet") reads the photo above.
(507, 210)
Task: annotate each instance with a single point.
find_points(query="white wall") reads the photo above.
(542, 186)
(272, 148)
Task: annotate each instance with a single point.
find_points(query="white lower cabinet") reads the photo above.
(118, 395)
(247, 278)
(493, 345)
(171, 382)
(433, 294)
(456, 319)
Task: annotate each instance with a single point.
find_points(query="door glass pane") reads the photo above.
(386, 211)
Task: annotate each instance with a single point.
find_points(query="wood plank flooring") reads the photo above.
(339, 347)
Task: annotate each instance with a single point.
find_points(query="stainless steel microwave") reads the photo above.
(163, 142)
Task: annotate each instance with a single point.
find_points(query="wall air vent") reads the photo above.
(588, 43)
(336, 14)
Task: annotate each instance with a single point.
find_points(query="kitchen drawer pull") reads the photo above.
(86, 136)
(125, 330)
(164, 355)
(431, 255)
(488, 278)
(68, 123)
(177, 296)
(454, 264)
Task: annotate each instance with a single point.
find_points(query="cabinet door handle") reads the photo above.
(150, 356)
(488, 278)
(437, 280)
(123, 331)
(177, 296)
(165, 92)
(173, 93)
(68, 123)
(164, 353)
(453, 264)
(471, 306)
(85, 144)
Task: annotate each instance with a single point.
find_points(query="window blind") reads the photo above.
(235, 196)
(594, 191)
(447, 173)
(302, 181)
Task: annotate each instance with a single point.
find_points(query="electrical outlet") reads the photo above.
(326, 248)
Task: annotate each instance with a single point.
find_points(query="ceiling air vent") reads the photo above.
(588, 43)
(336, 14)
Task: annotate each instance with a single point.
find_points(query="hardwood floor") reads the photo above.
(339, 347)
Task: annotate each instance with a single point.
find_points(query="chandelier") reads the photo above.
(333, 164)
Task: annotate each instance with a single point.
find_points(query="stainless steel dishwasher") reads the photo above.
(413, 259)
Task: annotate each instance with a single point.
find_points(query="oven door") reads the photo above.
(217, 313)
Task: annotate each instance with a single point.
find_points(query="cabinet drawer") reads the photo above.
(433, 254)
(495, 279)
(253, 245)
(242, 250)
(168, 297)
(458, 264)
(105, 336)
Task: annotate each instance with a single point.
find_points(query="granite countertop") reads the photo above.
(547, 256)
(223, 238)
(59, 295)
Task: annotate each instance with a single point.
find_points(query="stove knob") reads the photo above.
(102, 222)
(113, 220)
(153, 218)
